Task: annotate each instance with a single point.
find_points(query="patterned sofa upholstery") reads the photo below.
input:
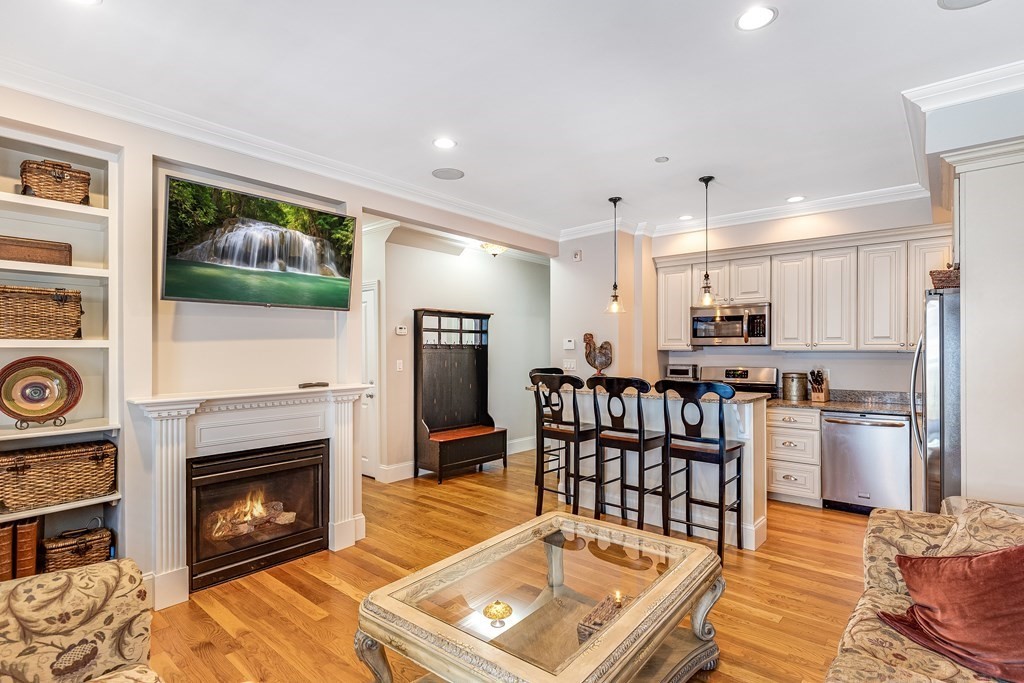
(872, 651)
(90, 623)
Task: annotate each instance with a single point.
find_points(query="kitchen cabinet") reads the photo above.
(835, 299)
(674, 300)
(882, 297)
(792, 302)
(719, 275)
(750, 280)
(923, 256)
(794, 455)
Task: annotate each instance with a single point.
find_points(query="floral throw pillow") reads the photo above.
(981, 528)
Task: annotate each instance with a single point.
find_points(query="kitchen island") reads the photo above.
(745, 420)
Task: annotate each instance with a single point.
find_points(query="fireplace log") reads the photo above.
(285, 518)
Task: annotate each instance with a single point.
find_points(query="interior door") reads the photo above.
(369, 413)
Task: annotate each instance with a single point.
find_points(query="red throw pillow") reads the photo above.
(968, 608)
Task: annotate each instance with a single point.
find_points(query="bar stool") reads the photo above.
(612, 432)
(691, 447)
(568, 431)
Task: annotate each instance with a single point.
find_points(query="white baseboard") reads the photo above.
(345, 533)
(796, 500)
(148, 582)
(527, 443)
(388, 474)
(170, 588)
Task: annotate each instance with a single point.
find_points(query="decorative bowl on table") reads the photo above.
(39, 389)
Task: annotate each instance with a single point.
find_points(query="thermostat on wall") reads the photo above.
(402, 330)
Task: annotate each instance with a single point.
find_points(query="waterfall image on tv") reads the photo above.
(230, 247)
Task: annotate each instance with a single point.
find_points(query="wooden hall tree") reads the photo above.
(453, 428)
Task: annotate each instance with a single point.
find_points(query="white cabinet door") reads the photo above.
(835, 300)
(719, 273)
(882, 297)
(674, 309)
(925, 255)
(750, 280)
(791, 302)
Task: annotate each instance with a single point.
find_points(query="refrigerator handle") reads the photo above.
(918, 435)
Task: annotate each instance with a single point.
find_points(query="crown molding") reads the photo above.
(382, 224)
(885, 195)
(589, 229)
(987, 156)
(855, 239)
(52, 86)
(979, 85)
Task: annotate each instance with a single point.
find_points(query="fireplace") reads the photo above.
(254, 509)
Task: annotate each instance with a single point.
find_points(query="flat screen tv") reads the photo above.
(226, 246)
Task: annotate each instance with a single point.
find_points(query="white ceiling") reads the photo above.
(555, 105)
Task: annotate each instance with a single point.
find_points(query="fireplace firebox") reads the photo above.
(254, 509)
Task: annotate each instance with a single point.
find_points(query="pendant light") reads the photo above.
(614, 306)
(707, 298)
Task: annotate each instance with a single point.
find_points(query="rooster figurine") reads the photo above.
(598, 357)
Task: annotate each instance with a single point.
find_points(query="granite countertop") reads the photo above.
(847, 406)
(740, 397)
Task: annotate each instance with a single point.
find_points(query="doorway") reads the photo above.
(369, 406)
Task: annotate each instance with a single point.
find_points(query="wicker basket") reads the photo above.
(946, 279)
(39, 477)
(76, 548)
(34, 313)
(55, 180)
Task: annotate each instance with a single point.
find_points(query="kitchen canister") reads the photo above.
(794, 386)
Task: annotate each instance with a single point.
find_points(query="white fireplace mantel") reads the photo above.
(193, 425)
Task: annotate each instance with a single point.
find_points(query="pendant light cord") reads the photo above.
(707, 182)
(615, 242)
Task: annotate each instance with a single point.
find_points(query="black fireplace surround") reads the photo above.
(253, 509)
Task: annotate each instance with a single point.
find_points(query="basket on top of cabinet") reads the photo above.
(55, 180)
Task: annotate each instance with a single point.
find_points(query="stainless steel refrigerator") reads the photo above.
(936, 375)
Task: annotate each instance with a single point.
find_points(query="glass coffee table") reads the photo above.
(559, 599)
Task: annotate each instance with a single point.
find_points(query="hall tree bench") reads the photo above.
(453, 428)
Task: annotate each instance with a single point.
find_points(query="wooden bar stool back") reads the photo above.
(554, 424)
(613, 431)
(690, 446)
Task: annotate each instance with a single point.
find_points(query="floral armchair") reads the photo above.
(85, 624)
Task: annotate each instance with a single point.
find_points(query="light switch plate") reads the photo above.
(569, 364)
(399, 365)
(569, 344)
(402, 330)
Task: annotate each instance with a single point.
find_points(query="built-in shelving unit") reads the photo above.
(93, 231)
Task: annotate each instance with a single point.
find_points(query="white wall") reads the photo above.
(513, 290)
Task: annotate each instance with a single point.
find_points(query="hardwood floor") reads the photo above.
(780, 619)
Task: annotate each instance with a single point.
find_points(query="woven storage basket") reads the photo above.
(945, 279)
(34, 313)
(39, 477)
(55, 180)
(76, 548)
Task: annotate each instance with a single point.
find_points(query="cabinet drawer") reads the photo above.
(794, 479)
(794, 418)
(794, 446)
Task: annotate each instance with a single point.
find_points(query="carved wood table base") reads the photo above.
(372, 654)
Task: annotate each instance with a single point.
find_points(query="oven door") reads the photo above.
(730, 326)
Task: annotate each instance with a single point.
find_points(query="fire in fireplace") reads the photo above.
(253, 509)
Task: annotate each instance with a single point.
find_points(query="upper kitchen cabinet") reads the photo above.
(924, 256)
(835, 300)
(674, 308)
(750, 280)
(791, 302)
(882, 300)
(719, 275)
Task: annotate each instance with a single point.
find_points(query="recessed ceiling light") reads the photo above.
(660, 160)
(447, 173)
(444, 143)
(797, 198)
(686, 218)
(756, 17)
(960, 4)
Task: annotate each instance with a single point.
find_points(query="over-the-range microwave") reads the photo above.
(734, 325)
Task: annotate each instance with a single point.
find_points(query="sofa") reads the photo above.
(869, 649)
(86, 624)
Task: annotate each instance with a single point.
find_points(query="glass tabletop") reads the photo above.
(543, 593)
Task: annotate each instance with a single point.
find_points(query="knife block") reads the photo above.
(822, 396)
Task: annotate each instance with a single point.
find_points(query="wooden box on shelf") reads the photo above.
(35, 251)
(55, 180)
(38, 313)
(41, 477)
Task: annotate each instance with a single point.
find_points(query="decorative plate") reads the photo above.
(39, 389)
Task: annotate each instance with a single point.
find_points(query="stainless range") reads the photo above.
(756, 380)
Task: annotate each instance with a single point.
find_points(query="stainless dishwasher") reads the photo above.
(865, 461)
